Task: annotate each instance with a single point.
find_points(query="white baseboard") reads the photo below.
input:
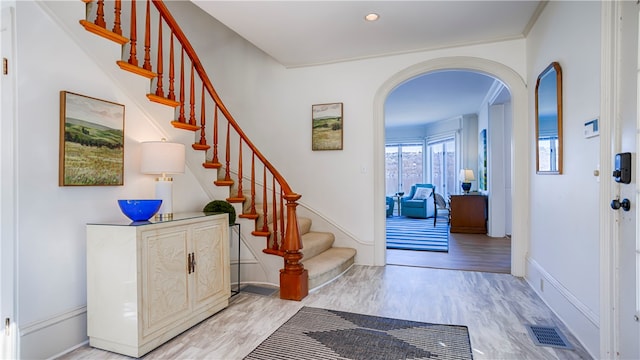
(583, 322)
(55, 336)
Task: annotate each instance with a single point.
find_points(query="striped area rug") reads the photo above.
(315, 333)
(417, 234)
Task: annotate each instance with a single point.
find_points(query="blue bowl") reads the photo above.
(139, 210)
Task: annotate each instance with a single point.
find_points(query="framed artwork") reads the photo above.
(91, 141)
(482, 161)
(326, 133)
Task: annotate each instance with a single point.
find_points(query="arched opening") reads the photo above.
(519, 149)
(436, 125)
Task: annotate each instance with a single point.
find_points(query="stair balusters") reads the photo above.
(294, 283)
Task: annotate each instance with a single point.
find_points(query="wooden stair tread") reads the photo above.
(102, 32)
(200, 147)
(162, 100)
(223, 182)
(136, 69)
(211, 165)
(184, 126)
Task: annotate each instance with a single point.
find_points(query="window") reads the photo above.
(442, 155)
(404, 166)
(547, 153)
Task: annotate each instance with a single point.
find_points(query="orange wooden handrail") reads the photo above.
(208, 85)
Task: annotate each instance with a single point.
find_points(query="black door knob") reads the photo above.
(625, 204)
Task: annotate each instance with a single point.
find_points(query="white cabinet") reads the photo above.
(147, 283)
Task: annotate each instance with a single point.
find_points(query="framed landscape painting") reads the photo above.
(91, 141)
(326, 131)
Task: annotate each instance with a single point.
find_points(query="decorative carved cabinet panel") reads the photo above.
(148, 283)
(468, 214)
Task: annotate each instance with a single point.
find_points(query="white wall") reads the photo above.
(399, 134)
(51, 219)
(496, 156)
(495, 116)
(508, 122)
(347, 171)
(564, 249)
(469, 142)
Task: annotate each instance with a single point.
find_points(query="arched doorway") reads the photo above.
(519, 149)
(437, 124)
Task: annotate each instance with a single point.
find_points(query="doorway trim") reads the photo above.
(611, 28)
(520, 162)
(8, 171)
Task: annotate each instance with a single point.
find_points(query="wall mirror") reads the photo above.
(549, 120)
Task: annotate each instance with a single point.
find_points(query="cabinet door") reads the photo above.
(211, 277)
(164, 283)
(468, 214)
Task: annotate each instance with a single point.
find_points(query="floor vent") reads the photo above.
(259, 290)
(548, 336)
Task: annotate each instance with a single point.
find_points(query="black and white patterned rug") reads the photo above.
(314, 333)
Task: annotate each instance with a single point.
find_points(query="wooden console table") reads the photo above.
(468, 214)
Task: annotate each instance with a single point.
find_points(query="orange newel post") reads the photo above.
(294, 278)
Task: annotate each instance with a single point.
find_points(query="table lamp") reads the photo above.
(162, 158)
(466, 176)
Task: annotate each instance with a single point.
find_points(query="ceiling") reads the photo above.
(436, 96)
(307, 33)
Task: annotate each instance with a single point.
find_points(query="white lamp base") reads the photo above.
(164, 192)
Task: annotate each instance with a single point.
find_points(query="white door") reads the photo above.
(8, 348)
(624, 139)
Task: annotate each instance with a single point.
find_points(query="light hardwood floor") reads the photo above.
(495, 307)
(475, 252)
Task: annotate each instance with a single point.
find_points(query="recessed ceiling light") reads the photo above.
(372, 17)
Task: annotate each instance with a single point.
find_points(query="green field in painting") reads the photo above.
(327, 134)
(86, 133)
(93, 154)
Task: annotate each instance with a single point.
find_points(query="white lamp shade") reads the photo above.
(466, 175)
(161, 157)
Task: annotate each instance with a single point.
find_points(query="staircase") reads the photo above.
(322, 260)
(263, 198)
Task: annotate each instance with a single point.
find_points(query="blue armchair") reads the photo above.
(420, 203)
(390, 203)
